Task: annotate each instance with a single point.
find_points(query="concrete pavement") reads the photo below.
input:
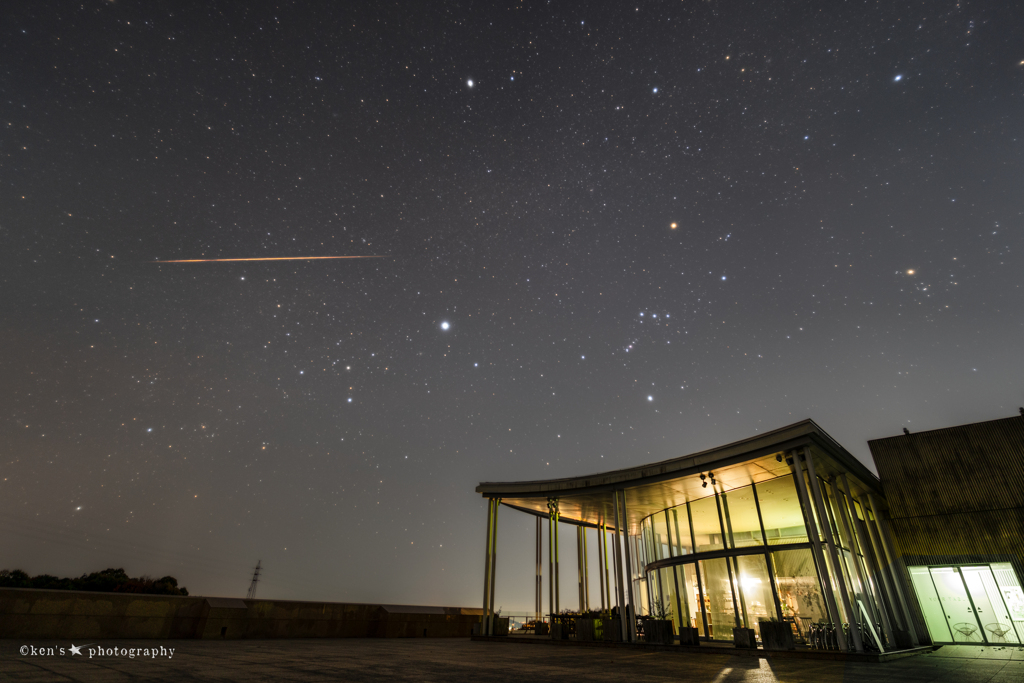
(443, 659)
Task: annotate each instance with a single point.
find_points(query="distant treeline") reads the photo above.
(107, 581)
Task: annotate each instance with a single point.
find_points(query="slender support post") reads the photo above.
(890, 557)
(767, 553)
(675, 568)
(880, 566)
(607, 583)
(600, 572)
(579, 566)
(696, 573)
(872, 552)
(494, 561)
(551, 560)
(819, 502)
(728, 564)
(631, 605)
(538, 602)
(586, 570)
(819, 559)
(487, 571)
(558, 517)
(617, 557)
(843, 505)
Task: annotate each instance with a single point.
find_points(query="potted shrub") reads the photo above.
(776, 635)
(658, 626)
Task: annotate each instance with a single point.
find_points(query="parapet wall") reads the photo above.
(46, 614)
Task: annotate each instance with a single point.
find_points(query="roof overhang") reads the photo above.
(588, 500)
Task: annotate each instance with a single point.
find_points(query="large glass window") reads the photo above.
(756, 586)
(1013, 596)
(799, 590)
(694, 594)
(706, 528)
(739, 510)
(682, 544)
(721, 607)
(780, 509)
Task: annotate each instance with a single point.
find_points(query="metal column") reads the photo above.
(551, 559)
(600, 571)
(767, 553)
(630, 607)
(606, 600)
(728, 565)
(819, 502)
(557, 577)
(586, 570)
(540, 575)
(485, 619)
(890, 557)
(819, 558)
(579, 566)
(617, 557)
(697, 574)
(841, 487)
(494, 562)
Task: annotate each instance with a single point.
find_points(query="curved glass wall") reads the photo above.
(752, 559)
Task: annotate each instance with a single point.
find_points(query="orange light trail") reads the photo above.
(267, 258)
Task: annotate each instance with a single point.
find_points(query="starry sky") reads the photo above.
(609, 234)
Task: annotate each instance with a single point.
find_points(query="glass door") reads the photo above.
(956, 605)
(989, 605)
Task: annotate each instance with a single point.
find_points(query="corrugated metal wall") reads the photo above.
(955, 495)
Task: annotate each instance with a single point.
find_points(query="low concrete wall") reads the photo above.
(28, 613)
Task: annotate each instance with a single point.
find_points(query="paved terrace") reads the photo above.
(370, 659)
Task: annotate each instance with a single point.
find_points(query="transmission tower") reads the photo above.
(251, 595)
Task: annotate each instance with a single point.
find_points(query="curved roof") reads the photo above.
(651, 488)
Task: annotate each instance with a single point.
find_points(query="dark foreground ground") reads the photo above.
(462, 660)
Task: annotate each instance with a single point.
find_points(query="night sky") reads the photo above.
(611, 234)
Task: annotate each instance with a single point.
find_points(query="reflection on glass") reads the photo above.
(720, 607)
(1013, 596)
(681, 540)
(988, 604)
(780, 509)
(757, 590)
(742, 527)
(931, 607)
(963, 623)
(672, 603)
(706, 529)
(692, 590)
(659, 536)
(799, 590)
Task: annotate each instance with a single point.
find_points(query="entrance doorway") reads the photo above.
(981, 604)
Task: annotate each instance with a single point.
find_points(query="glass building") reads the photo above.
(784, 526)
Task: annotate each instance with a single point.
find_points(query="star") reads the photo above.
(469, 83)
(76, 649)
(899, 77)
(444, 325)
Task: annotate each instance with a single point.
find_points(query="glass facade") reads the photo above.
(753, 560)
(971, 603)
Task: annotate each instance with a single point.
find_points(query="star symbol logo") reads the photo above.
(76, 649)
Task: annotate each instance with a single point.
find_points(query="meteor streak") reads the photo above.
(267, 258)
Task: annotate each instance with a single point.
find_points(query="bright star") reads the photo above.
(444, 325)
(655, 90)
(723, 277)
(470, 83)
(650, 398)
(899, 77)
(76, 649)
